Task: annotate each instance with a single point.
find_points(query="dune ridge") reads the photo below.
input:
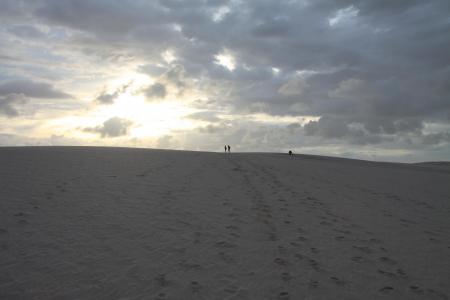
(123, 223)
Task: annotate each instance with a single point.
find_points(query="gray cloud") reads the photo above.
(210, 128)
(378, 73)
(328, 127)
(108, 98)
(208, 116)
(32, 89)
(26, 31)
(436, 138)
(113, 127)
(156, 90)
(173, 80)
(271, 29)
(9, 103)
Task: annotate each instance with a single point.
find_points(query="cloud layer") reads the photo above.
(344, 77)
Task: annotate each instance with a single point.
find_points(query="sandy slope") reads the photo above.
(109, 223)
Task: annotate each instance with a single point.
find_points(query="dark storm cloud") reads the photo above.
(113, 127)
(32, 89)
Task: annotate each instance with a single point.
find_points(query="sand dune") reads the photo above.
(118, 223)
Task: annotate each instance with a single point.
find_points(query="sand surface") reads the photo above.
(117, 223)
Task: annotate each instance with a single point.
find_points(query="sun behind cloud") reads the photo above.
(128, 102)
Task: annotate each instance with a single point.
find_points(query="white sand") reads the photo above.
(113, 223)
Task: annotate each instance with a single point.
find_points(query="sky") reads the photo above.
(359, 79)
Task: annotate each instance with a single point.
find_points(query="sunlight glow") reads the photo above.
(148, 119)
(226, 60)
(168, 56)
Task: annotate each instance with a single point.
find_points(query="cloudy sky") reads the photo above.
(363, 79)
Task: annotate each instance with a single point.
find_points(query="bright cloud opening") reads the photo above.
(342, 15)
(168, 56)
(226, 60)
(220, 13)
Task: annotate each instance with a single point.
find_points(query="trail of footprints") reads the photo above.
(23, 217)
(341, 229)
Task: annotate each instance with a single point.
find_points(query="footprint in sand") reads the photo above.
(280, 261)
(272, 237)
(338, 281)
(232, 289)
(387, 260)
(343, 231)
(357, 259)
(401, 273)
(233, 227)
(313, 284)
(386, 289)
(314, 264)
(325, 223)
(314, 250)
(298, 256)
(195, 286)
(286, 276)
(282, 249)
(226, 257)
(416, 289)
(161, 296)
(364, 249)
(386, 273)
(225, 244)
(437, 294)
(434, 240)
(161, 280)
(283, 296)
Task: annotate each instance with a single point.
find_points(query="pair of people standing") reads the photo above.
(227, 147)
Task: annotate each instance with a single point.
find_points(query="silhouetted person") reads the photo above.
(225, 147)
(290, 152)
(229, 148)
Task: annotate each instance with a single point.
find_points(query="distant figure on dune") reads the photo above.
(229, 148)
(290, 152)
(225, 147)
